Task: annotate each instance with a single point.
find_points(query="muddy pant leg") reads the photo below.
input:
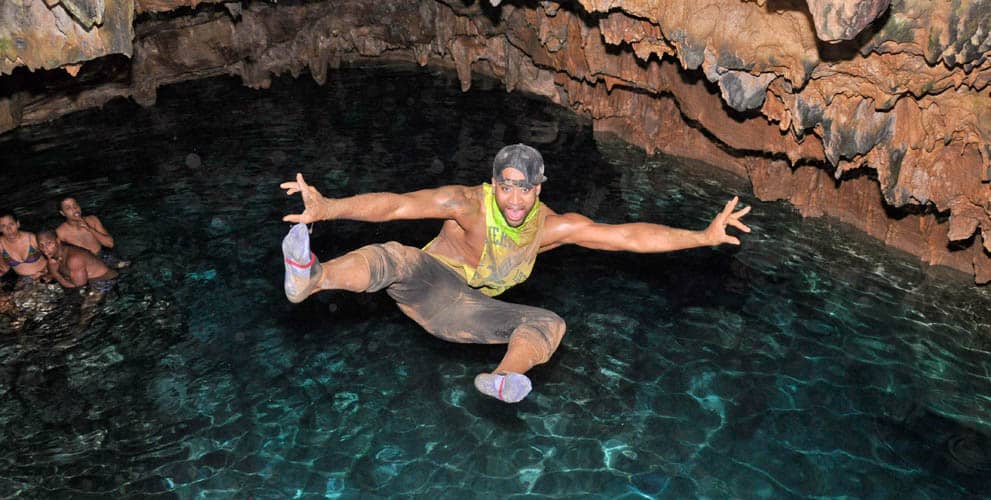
(374, 267)
(532, 334)
(437, 299)
(531, 345)
(348, 272)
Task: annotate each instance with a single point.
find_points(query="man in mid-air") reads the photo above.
(488, 242)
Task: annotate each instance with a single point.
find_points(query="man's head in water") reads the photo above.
(69, 208)
(517, 173)
(49, 243)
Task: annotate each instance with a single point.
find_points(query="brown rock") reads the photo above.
(837, 20)
(37, 36)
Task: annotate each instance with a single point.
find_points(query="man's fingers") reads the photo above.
(732, 240)
(293, 187)
(727, 211)
(730, 205)
(739, 225)
(743, 211)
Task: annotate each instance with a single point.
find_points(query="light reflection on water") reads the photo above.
(808, 362)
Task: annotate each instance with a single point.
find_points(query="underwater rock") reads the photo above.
(193, 161)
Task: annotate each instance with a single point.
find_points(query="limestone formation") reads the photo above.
(874, 112)
(53, 34)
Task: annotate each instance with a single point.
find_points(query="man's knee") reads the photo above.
(387, 263)
(544, 334)
(556, 327)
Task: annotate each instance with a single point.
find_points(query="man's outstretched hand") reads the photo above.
(312, 200)
(716, 232)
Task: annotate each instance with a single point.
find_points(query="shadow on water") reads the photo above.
(810, 361)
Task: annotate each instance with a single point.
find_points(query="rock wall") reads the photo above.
(873, 112)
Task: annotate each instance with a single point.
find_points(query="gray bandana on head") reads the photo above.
(522, 158)
(516, 183)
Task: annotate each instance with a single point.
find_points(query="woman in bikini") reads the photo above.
(33, 296)
(19, 251)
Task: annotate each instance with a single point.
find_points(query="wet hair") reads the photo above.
(8, 213)
(47, 232)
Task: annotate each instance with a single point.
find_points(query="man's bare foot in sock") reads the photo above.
(507, 387)
(302, 266)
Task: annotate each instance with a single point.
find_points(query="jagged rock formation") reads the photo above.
(874, 112)
(53, 34)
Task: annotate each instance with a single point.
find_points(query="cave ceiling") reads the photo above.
(873, 112)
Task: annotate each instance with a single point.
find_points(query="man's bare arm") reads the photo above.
(448, 202)
(93, 224)
(640, 237)
(53, 271)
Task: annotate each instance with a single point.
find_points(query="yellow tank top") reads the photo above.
(508, 254)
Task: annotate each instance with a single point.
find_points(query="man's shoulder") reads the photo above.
(476, 192)
(559, 227)
(553, 218)
(462, 190)
(463, 198)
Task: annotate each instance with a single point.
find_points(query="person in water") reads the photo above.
(488, 242)
(87, 231)
(75, 267)
(19, 251)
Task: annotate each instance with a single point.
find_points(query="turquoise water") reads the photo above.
(808, 362)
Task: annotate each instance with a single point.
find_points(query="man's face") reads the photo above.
(49, 246)
(513, 199)
(8, 226)
(70, 209)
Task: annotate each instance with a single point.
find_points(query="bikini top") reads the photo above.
(32, 257)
